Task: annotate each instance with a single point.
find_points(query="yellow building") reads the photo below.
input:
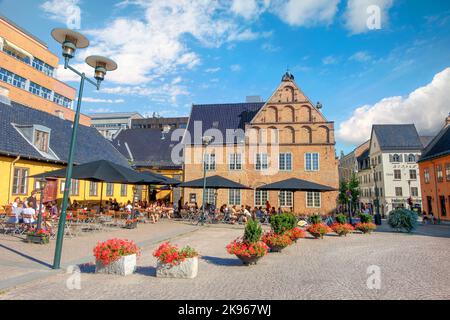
(34, 142)
(27, 72)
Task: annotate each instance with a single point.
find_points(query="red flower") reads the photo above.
(295, 233)
(318, 230)
(170, 254)
(342, 229)
(113, 249)
(276, 240)
(244, 249)
(367, 227)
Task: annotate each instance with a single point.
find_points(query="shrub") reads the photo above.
(244, 249)
(365, 217)
(315, 219)
(281, 223)
(341, 218)
(170, 254)
(365, 227)
(276, 240)
(295, 233)
(113, 249)
(318, 230)
(403, 219)
(253, 231)
(342, 229)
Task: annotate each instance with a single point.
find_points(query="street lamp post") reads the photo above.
(206, 142)
(42, 184)
(377, 201)
(71, 41)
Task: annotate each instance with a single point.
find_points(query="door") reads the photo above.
(51, 191)
(429, 205)
(443, 208)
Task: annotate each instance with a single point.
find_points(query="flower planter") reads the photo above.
(187, 269)
(276, 248)
(125, 266)
(248, 261)
(44, 239)
(317, 235)
(131, 225)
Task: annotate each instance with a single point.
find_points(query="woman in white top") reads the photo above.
(29, 215)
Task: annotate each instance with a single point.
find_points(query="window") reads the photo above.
(75, 188)
(40, 91)
(41, 140)
(123, 190)
(109, 189)
(313, 199)
(381, 192)
(439, 176)
(235, 162)
(414, 192)
(285, 163)
(62, 101)
(286, 198)
(210, 196)
(234, 197)
(379, 159)
(411, 158)
(312, 162)
(12, 79)
(93, 189)
(413, 174)
(210, 162)
(261, 161)
(398, 191)
(447, 171)
(20, 181)
(396, 158)
(62, 186)
(13, 53)
(43, 67)
(261, 197)
(397, 174)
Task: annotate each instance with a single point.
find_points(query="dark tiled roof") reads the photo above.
(222, 116)
(440, 146)
(426, 140)
(147, 147)
(295, 184)
(397, 137)
(91, 146)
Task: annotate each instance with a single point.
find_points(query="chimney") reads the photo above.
(4, 96)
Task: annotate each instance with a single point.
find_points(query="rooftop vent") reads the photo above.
(60, 114)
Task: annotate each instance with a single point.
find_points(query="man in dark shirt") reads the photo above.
(31, 201)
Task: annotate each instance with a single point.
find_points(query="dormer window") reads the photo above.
(41, 140)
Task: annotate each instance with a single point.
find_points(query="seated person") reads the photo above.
(29, 215)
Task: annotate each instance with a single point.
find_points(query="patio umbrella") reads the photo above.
(295, 184)
(156, 179)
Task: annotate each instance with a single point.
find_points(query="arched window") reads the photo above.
(274, 135)
(288, 114)
(289, 135)
(305, 114)
(324, 133)
(396, 158)
(272, 114)
(306, 135)
(411, 158)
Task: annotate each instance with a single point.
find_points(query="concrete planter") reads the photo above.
(125, 266)
(44, 239)
(187, 269)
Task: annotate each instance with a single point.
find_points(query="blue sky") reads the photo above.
(174, 53)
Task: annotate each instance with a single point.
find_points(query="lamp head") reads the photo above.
(101, 66)
(70, 40)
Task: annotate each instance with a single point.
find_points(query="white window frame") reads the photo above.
(264, 165)
(262, 199)
(210, 195)
(283, 199)
(312, 169)
(109, 185)
(210, 161)
(234, 197)
(235, 162)
(285, 162)
(314, 199)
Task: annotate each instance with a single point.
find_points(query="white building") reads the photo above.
(109, 124)
(393, 154)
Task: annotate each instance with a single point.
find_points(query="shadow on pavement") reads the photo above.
(436, 230)
(26, 256)
(222, 261)
(146, 271)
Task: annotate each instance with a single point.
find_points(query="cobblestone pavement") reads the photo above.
(413, 266)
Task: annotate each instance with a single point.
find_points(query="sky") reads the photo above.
(367, 61)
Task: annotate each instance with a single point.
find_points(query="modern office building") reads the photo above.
(164, 124)
(111, 123)
(27, 73)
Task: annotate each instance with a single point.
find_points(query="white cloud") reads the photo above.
(235, 68)
(249, 9)
(361, 56)
(97, 110)
(213, 70)
(305, 12)
(97, 100)
(64, 11)
(426, 107)
(329, 60)
(356, 14)
(270, 47)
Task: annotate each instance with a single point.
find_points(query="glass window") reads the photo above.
(234, 197)
(313, 199)
(312, 162)
(62, 101)
(75, 187)
(12, 79)
(210, 196)
(40, 91)
(411, 158)
(285, 163)
(261, 161)
(397, 174)
(41, 139)
(398, 191)
(426, 175)
(210, 162)
(235, 162)
(447, 171)
(123, 190)
(439, 176)
(396, 158)
(20, 181)
(93, 189)
(413, 174)
(285, 198)
(261, 197)
(414, 192)
(110, 189)
(43, 67)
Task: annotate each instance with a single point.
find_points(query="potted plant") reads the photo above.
(250, 248)
(176, 263)
(41, 236)
(295, 234)
(276, 242)
(341, 227)
(131, 224)
(318, 230)
(281, 223)
(365, 225)
(116, 256)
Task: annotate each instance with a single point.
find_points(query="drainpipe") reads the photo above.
(11, 176)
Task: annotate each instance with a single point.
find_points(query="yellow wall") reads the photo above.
(37, 167)
(170, 173)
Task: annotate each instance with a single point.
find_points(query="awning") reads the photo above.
(295, 184)
(214, 182)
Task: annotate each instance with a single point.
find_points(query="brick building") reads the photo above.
(261, 143)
